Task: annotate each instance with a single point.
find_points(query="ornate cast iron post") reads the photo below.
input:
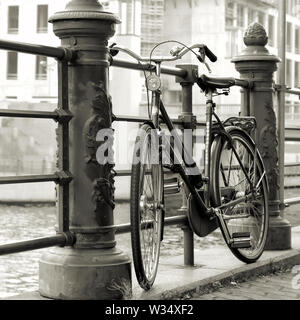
(93, 268)
(256, 64)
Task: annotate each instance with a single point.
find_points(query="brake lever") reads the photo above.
(201, 57)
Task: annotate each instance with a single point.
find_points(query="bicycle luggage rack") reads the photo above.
(247, 124)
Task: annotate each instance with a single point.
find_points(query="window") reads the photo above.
(13, 19)
(240, 16)
(127, 17)
(297, 74)
(251, 16)
(229, 14)
(289, 73)
(12, 65)
(42, 18)
(296, 110)
(271, 30)
(289, 7)
(41, 68)
(231, 43)
(289, 37)
(261, 18)
(297, 41)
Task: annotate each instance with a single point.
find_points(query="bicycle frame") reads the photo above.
(188, 161)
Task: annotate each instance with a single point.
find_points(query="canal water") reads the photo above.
(19, 272)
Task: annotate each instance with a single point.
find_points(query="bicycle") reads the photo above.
(233, 192)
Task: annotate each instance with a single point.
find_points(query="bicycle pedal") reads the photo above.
(171, 186)
(241, 240)
(241, 235)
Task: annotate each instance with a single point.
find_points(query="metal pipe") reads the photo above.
(293, 91)
(40, 243)
(292, 201)
(53, 52)
(130, 119)
(141, 120)
(29, 179)
(63, 189)
(28, 114)
(148, 67)
(292, 164)
(170, 221)
(188, 244)
(281, 96)
(188, 122)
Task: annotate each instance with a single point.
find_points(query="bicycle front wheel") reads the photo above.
(146, 206)
(232, 176)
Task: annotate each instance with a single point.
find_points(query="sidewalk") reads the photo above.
(214, 267)
(278, 286)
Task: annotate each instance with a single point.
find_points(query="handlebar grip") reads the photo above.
(210, 55)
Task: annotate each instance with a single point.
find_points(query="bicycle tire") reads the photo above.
(140, 207)
(257, 209)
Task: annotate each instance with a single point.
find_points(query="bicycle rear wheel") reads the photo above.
(229, 183)
(146, 207)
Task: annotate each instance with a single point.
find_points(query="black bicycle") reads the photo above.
(231, 194)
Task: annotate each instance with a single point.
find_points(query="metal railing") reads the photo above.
(291, 134)
(63, 177)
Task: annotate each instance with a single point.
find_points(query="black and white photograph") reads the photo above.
(150, 153)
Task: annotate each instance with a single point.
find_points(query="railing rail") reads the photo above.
(28, 245)
(53, 52)
(148, 67)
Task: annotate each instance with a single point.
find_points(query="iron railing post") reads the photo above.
(281, 95)
(257, 65)
(93, 268)
(188, 121)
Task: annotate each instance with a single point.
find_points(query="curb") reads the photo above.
(240, 274)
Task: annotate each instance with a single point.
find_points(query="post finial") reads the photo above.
(86, 5)
(84, 9)
(255, 35)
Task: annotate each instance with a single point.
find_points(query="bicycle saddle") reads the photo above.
(205, 82)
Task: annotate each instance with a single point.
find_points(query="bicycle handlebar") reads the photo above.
(114, 50)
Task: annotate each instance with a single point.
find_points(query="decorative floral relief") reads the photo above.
(268, 144)
(101, 118)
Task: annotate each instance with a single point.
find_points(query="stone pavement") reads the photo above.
(278, 286)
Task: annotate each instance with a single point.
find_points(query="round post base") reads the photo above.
(85, 274)
(279, 234)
